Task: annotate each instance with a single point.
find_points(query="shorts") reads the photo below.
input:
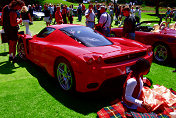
(47, 19)
(11, 35)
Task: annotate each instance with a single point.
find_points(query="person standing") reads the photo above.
(83, 8)
(10, 25)
(132, 11)
(79, 11)
(129, 25)
(117, 13)
(48, 16)
(31, 10)
(105, 21)
(70, 14)
(111, 12)
(122, 17)
(98, 12)
(55, 9)
(58, 16)
(51, 9)
(168, 15)
(137, 14)
(64, 14)
(26, 17)
(90, 17)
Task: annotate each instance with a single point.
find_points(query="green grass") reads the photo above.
(63, 2)
(152, 9)
(29, 92)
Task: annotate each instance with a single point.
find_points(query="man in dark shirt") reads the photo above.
(129, 25)
(10, 25)
(48, 16)
(31, 10)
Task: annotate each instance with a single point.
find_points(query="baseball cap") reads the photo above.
(102, 7)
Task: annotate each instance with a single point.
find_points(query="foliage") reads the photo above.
(75, 1)
(6, 2)
(164, 3)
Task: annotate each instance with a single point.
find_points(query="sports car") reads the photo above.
(162, 38)
(79, 57)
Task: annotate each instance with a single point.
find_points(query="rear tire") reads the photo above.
(21, 50)
(161, 53)
(65, 75)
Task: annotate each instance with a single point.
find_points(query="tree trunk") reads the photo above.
(157, 7)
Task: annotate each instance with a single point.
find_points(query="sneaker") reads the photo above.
(15, 60)
(10, 58)
(174, 71)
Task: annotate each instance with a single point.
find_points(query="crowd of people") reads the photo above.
(63, 14)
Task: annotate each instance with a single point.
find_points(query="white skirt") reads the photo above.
(47, 19)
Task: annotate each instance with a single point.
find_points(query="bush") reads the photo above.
(143, 5)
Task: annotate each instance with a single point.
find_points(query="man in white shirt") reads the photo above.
(90, 17)
(132, 11)
(105, 21)
(137, 14)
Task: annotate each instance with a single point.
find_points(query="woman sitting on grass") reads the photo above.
(133, 86)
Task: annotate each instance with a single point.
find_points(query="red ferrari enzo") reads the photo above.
(162, 39)
(79, 57)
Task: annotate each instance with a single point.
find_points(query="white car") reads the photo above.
(38, 15)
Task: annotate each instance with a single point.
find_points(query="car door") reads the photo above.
(144, 37)
(39, 45)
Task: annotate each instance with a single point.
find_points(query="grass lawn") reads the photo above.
(27, 91)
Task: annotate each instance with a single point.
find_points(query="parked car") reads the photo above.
(79, 57)
(0, 19)
(38, 15)
(162, 38)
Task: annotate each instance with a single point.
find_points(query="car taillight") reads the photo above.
(89, 60)
(97, 58)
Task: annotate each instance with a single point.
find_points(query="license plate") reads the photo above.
(128, 70)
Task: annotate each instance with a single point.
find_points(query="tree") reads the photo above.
(6, 2)
(157, 7)
(160, 3)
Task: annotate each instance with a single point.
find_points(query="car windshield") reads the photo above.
(86, 36)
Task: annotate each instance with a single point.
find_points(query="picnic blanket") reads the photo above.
(162, 100)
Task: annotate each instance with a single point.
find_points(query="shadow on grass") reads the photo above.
(83, 103)
(7, 67)
(4, 54)
(159, 15)
(171, 63)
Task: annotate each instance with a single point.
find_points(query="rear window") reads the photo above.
(45, 32)
(86, 36)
